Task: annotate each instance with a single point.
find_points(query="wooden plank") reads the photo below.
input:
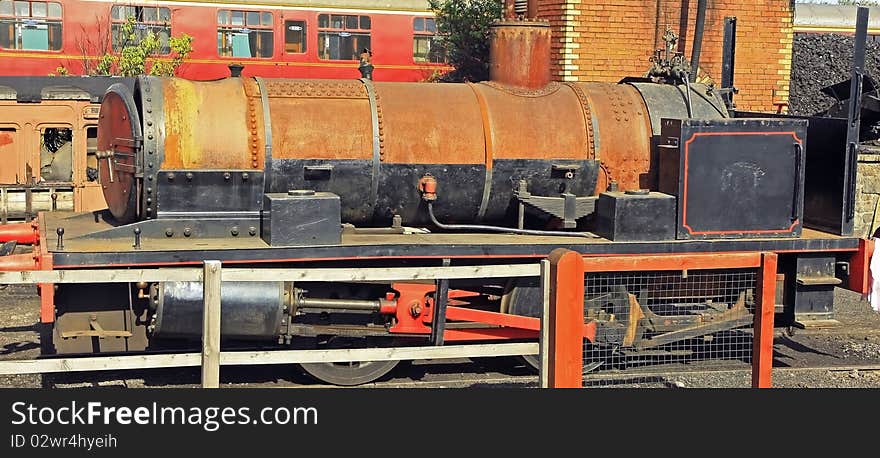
(100, 363)
(101, 276)
(211, 326)
(544, 341)
(243, 274)
(377, 354)
(384, 274)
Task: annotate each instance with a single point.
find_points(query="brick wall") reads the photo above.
(605, 40)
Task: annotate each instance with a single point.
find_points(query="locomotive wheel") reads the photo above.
(348, 373)
(524, 298)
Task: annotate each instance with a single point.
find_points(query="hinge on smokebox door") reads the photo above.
(135, 144)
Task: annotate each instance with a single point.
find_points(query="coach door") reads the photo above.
(11, 155)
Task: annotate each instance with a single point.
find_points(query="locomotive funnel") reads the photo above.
(520, 53)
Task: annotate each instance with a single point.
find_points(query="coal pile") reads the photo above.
(820, 60)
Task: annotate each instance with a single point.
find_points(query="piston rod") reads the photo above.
(384, 306)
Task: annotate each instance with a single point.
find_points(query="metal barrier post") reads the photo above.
(566, 319)
(211, 326)
(762, 354)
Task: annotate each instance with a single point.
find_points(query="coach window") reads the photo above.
(294, 37)
(244, 33)
(146, 19)
(34, 26)
(56, 154)
(426, 44)
(342, 37)
(91, 153)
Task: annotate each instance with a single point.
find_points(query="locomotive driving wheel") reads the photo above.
(347, 373)
(523, 297)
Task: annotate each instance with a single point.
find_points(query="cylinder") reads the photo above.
(248, 310)
(520, 53)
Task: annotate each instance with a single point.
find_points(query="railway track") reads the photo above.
(615, 378)
(442, 375)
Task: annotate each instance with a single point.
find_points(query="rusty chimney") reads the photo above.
(520, 53)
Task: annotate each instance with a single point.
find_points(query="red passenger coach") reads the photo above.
(273, 38)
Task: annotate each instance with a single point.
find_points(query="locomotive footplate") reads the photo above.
(79, 248)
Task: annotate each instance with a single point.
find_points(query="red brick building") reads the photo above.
(605, 40)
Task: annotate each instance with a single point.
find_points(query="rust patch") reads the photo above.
(200, 126)
(623, 128)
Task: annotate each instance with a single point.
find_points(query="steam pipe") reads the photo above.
(698, 39)
(687, 85)
(484, 228)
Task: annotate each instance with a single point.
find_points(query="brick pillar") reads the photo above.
(606, 40)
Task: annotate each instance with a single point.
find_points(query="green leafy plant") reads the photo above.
(464, 28)
(142, 54)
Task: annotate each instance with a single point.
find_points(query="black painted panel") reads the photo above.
(735, 178)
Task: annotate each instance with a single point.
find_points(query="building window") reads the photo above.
(342, 37)
(244, 33)
(426, 44)
(34, 26)
(295, 37)
(147, 19)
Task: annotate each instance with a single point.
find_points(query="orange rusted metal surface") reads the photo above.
(520, 54)
(540, 124)
(418, 127)
(623, 135)
(213, 125)
(320, 119)
(762, 354)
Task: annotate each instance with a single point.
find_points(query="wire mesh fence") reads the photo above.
(656, 327)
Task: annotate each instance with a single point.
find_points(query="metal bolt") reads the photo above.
(234, 231)
(170, 177)
(60, 232)
(415, 309)
(227, 176)
(137, 238)
(189, 176)
(252, 231)
(169, 232)
(187, 232)
(244, 176)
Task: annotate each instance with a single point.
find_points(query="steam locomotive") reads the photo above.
(353, 173)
